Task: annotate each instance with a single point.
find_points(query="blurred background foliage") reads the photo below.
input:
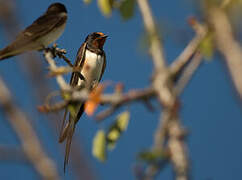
(208, 104)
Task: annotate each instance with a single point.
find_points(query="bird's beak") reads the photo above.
(104, 36)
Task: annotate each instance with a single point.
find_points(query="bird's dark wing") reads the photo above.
(69, 129)
(73, 82)
(80, 58)
(42, 26)
(39, 28)
(104, 66)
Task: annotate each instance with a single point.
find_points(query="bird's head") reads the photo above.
(57, 8)
(96, 40)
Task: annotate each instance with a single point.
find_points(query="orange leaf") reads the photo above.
(43, 108)
(90, 107)
(94, 99)
(119, 88)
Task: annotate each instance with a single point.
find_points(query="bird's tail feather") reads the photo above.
(63, 131)
(68, 131)
(18, 47)
(8, 52)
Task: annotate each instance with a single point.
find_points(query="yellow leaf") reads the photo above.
(105, 7)
(99, 146)
(123, 120)
(113, 135)
(117, 128)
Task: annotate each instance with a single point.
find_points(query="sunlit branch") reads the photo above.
(227, 45)
(115, 100)
(52, 66)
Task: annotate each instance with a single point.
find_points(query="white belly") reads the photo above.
(92, 68)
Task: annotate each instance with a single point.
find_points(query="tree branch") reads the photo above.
(164, 87)
(30, 142)
(60, 80)
(188, 72)
(161, 81)
(227, 45)
(181, 61)
(115, 100)
(118, 100)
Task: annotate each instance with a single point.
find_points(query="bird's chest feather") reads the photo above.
(92, 68)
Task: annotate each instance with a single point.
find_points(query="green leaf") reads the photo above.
(116, 129)
(206, 47)
(105, 7)
(127, 9)
(99, 146)
(152, 156)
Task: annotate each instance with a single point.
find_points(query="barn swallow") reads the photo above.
(91, 60)
(42, 32)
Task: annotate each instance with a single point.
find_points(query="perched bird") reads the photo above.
(42, 32)
(91, 60)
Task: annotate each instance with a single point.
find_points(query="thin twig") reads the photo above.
(60, 53)
(46, 108)
(188, 73)
(182, 60)
(60, 80)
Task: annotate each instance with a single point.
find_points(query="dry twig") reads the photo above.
(60, 80)
(188, 72)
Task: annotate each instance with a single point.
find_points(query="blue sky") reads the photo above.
(210, 110)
